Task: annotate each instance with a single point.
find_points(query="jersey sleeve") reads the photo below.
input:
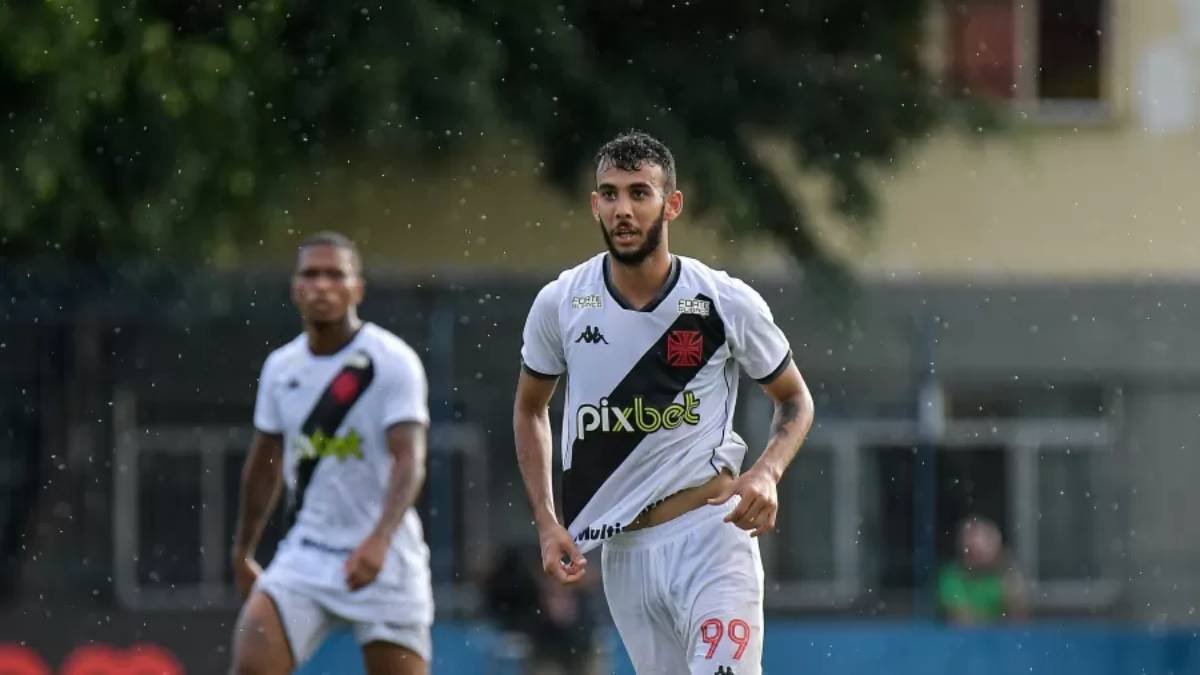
(266, 408)
(759, 346)
(406, 391)
(542, 351)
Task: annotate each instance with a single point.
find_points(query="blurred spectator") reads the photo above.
(558, 623)
(981, 585)
(512, 592)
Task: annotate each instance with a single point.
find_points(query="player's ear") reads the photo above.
(674, 205)
(595, 205)
(295, 290)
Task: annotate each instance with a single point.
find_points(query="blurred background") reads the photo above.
(973, 219)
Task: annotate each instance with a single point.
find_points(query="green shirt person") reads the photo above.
(980, 586)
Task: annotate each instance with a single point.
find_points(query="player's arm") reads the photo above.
(406, 444)
(790, 424)
(1016, 596)
(531, 429)
(405, 417)
(262, 476)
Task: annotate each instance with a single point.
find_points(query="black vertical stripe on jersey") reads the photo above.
(594, 458)
(326, 416)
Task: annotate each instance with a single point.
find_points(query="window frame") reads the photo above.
(851, 439)
(1024, 101)
(214, 443)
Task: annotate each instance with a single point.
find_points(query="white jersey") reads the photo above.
(333, 412)
(650, 392)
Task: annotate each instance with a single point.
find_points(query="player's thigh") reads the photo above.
(645, 627)
(260, 646)
(727, 641)
(726, 609)
(653, 646)
(386, 658)
(394, 649)
(304, 620)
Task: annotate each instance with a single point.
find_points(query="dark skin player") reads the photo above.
(326, 289)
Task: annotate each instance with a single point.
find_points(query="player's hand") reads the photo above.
(364, 563)
(245, 573)
(760, 502)
(558, 546)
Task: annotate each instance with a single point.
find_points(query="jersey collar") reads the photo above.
(672, 279)
(343, 349)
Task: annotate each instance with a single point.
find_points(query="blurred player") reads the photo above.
(341, 413)
(651, 345)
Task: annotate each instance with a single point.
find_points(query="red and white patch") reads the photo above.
(685, 348)
(344, 387)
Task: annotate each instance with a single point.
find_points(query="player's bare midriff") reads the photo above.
(681, 502)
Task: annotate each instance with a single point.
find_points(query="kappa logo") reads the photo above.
(585, 302)
(724, 670)
(685, 348)
(591, 335)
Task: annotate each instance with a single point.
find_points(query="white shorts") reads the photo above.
(309, 615)
(687, 595)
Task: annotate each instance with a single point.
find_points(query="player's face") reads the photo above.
(326, 284)
(632, 210)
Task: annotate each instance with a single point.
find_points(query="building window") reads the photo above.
(1047, 55)
(806, 515)
(1069, 49)
(983, 48)
(971, 481)
(1069, 545)
(1034, 457)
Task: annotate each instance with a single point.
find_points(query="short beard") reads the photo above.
(650, 245)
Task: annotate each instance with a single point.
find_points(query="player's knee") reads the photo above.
(243, 665)
(253, 653)
(254, 662)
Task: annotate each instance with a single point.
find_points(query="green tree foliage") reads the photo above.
(140, 127)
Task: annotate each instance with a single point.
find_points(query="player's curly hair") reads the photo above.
(632, 148)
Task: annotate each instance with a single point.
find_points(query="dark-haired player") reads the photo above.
(651, 345)
(341, 416)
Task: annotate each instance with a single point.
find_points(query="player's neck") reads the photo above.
(640, 284)
(330, 338)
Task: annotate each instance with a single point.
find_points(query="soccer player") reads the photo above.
(651, 345)
(341, 414)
